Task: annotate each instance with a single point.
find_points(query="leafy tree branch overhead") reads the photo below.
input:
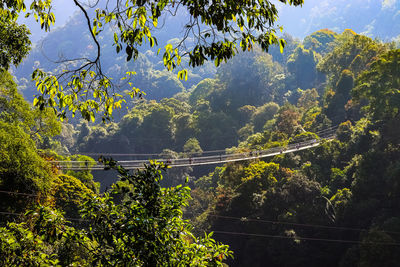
(214, 30)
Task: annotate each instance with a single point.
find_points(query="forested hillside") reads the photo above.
(335, 203)
(150, 75)
(374, 18)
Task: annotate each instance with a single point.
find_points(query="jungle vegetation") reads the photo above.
(334, 205)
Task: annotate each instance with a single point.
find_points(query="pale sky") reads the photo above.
(314, 15)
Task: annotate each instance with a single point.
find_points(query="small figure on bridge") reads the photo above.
(190, 161)
(297, 146)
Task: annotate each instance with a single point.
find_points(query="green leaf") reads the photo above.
(129, 12)
(282, 44)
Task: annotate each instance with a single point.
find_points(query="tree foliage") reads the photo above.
(337, 201)
(380, 86)
(217, 28)
(353, 52)
(302, 64)
(320, 41)
(145, 228)
(14, 40)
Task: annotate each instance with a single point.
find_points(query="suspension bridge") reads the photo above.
(303, 144)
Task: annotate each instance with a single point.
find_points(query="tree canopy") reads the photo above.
(214, 31)
(337, 200)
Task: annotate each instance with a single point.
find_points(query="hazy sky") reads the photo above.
(62, 9)
(376, 18)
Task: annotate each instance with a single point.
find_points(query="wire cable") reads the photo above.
(308, 238)
(21, 214)
(259, 235)
(208, 160)
(324, 131)
(19, 193)
(245, 219)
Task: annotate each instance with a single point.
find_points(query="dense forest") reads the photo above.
(335, 204)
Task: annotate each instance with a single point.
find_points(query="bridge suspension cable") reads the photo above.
(320, 133)
(302, 144)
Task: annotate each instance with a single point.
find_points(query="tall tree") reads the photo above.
(320, 41)
(353, 52)
(302, 64)
(380, 86)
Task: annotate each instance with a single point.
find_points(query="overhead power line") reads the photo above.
(21, 214)
(308, 238)
(19, 193)
(341, 228)
(245, 219)
(258, 234)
